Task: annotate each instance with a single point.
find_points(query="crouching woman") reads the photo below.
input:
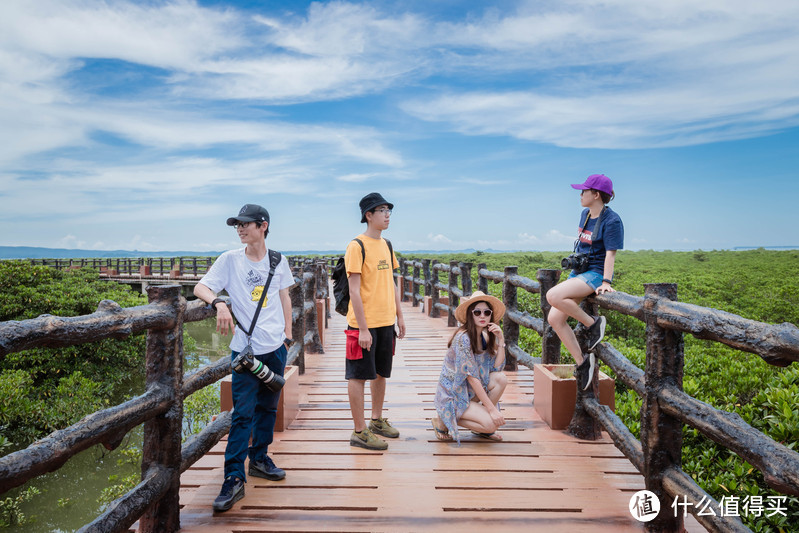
(471, 383)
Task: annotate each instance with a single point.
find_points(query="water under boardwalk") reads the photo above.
(536, 480)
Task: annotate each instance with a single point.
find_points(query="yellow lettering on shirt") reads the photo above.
(382, 265)
(256, 295)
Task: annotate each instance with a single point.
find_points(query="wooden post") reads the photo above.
(453, 300)
(428, 291)
(482, 283)
(550, 342)
(162, 434)
(466, 279)
(403, 280)
(661, 435)
(309, 305)
(434, 312)
(298, 322)
(414, 285)
(510, 328)
(323, 289)
(583, 426)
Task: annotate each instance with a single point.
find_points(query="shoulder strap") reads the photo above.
(391, 253)
(363, 250)
(274, 260)
(596, 233)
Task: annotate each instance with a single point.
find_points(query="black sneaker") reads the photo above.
(591, 362)
(232, 491)
(267, 470)
(596, 332)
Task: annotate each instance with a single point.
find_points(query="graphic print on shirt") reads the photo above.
(382, 264)
(585, 236)
(257, 282)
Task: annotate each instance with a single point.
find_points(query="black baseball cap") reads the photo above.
(250, 213)
(372, 200)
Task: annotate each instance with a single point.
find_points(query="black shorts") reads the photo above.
(377, 360)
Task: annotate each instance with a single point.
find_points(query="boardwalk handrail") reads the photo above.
(666, 407)
(134, 267)
(155, 500)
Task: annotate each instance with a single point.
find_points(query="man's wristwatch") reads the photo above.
(288, 341)
(216, 301)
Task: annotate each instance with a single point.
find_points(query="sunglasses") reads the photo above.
(484, 312)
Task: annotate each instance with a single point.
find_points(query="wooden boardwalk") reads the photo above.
(536, 480)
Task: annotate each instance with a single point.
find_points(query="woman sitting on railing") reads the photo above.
(601, 233)
(471, 383)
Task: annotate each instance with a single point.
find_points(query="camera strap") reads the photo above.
(593, 233)
(274, 260)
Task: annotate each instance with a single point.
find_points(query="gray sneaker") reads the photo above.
(590, 360)
(382, 427)
(596, 332)
(367, 439)
(232, 491)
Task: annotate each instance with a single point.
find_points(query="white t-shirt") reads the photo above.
(244, 281)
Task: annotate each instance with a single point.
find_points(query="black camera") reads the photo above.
(246, 361)
(578, 263)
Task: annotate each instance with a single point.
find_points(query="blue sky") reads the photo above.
(143, 125)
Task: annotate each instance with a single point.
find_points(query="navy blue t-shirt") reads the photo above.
(609, 236)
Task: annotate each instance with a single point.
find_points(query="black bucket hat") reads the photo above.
(250, 213)
(372, 200)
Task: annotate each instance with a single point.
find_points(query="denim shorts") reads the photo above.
(592, 278)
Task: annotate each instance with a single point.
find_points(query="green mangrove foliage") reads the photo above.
(48, 389)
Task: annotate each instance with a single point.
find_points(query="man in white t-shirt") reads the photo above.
(243, 273)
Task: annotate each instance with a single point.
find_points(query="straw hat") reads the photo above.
(496, 304)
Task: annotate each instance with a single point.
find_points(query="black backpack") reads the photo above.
(341, 285)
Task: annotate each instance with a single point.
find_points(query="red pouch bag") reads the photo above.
(354, 350)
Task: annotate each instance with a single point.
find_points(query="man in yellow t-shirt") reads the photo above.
(373, 311)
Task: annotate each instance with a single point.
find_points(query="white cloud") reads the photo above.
(355, 178)
(438, 238)
(70, 241)
(175, 34)
(629, 74)
(482, 182)
(616, 74)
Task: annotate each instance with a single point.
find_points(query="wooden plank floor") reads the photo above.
(536, 480)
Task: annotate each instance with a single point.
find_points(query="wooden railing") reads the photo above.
(134, 266)
(154, 501)
(157, 266)
(665, 406)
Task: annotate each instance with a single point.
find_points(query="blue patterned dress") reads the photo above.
(454, 393)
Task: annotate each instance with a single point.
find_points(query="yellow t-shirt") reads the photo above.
(377, 281)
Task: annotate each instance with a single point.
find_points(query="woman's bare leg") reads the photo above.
(497, 382)
(565, 300)
(477, 418)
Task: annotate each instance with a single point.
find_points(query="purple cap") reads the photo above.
(598, 182)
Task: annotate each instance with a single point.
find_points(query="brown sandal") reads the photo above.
(441, 434)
